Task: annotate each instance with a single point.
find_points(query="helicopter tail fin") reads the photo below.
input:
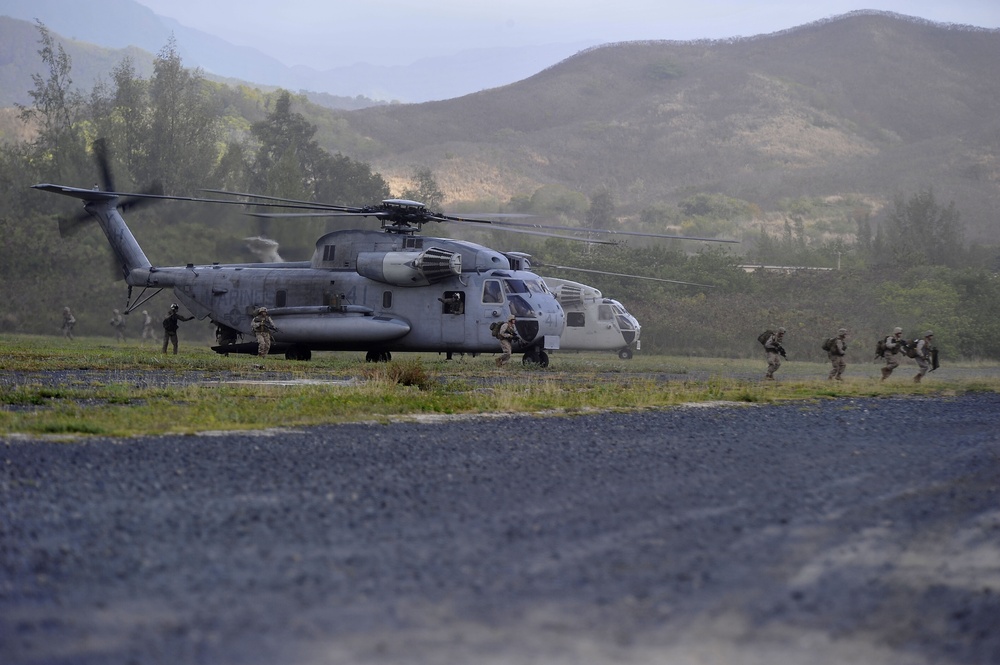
(103, 206)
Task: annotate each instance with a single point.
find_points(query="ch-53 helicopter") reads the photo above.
(364, 290)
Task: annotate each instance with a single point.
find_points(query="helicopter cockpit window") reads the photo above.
(520, 306)
(492, 291)
(576, 320)
(536, 286)
(604, 313)
(515, 286)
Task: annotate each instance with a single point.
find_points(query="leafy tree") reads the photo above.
(920, 232)
(425, 189)
(601, 213)
(57, 109)
(182, 139)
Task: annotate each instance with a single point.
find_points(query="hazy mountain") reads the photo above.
(117, 24)
(867, 105)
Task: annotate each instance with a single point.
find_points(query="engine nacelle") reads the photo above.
(410, 268)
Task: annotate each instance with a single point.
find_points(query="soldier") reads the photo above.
(894, 343)
(924, 350)
(775, 352)
(262, 326)
(508, 333)
(68, 322)
(148, 332)
(118, 323)
(838, 349)
(452, 303)
(170, 327)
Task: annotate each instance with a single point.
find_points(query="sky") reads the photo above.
(399, 32)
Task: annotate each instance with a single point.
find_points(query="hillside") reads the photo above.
(866, 105)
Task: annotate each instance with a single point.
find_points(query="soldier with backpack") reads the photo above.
(924, 353)
(890, 347)
(836, 349)
(775, 351)
(506, 333)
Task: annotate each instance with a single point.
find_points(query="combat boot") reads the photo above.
(885, 373)
(916, 379)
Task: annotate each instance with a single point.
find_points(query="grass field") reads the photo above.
(91, 386)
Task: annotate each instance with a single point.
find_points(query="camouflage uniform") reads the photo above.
(68, 322)
(894, 343)
(148, 332)
(118, 323)
(170, 327)
(774, 352)
(262, 326)
(838, 349)
(507, 334)
(923, 357)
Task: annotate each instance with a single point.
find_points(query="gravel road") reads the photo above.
(842, 531)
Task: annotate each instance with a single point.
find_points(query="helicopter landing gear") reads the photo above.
(378, 357)
(535, 356)
(625, 354)
(298, 353)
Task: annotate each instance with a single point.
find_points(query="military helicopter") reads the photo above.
(593, 322)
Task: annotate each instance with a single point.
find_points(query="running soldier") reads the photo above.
(508, 333)
(118, 323)
(924, 355)
(148, 332)
(894, 344)
(838, 349)
(775, 352)
(68, 322)
(262, 326)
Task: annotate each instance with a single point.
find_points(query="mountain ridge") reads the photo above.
(868, 104)
(119, 24)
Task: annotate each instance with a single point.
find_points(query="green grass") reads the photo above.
(199, 390)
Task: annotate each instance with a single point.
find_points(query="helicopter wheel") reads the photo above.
(298, 353)
(378, 357)
(625, 354)
(535, 357)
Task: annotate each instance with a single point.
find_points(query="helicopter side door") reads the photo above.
(452, 312)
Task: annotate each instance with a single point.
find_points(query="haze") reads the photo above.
(399, 32)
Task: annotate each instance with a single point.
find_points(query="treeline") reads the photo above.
(178, 133)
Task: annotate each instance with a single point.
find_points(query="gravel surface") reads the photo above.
(842, 531)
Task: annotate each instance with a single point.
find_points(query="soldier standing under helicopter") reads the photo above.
(262, 326)
(170, 325)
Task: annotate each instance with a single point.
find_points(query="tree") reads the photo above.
(920, 232)
(425, 189)
(56, 108)
(182, 140)
(601, 213)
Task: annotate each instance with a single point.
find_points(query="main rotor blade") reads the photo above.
(576, 229)
(297, 203)
(620, 274)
